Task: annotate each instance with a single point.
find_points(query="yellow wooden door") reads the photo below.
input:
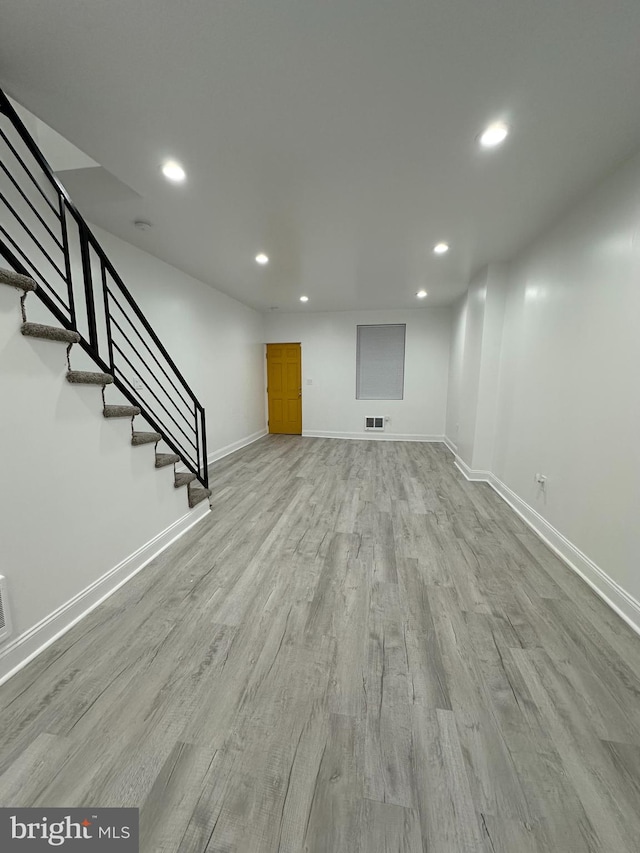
(284, 388)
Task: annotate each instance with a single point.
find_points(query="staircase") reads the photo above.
(25, 285)
(51, 255)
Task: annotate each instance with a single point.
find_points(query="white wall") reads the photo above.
(456, 361)
(329, 406)
(494, 296)
(76, 498)
(216, 342)
(563, 398)
(77, 501)
(476, 336)
(570, 391)
(470, 374)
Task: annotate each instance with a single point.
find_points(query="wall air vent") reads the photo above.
(374, 423)
(5, 621)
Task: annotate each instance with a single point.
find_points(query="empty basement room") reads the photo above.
(319, 411)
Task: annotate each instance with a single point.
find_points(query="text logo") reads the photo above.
(75, 830)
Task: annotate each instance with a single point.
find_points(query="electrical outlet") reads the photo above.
(541, 480)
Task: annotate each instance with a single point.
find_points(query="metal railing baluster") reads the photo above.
(151, 354)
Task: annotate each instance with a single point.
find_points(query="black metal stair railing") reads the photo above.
(43, 235)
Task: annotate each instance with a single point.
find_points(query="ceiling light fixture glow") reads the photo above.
(262, 258)
(173, 171)
(441, 248)
(494, 134)
(304, 299)
(421, 294)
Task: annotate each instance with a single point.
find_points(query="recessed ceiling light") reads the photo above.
(493, 135)
(421, 294)
(441, 248)
(173, 171)
(304, 299)
(262, 259)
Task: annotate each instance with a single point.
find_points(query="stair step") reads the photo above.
(164, 459)
(197, 494)
(120, 411)
(14, 279)
(183, 480)
(50, 333)
(145, 438)
(86, 377)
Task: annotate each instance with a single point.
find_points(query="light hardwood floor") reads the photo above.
(357, 652)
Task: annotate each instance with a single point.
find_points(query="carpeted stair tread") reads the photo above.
(164, 459)
(197, 494)
(14, 279)
(120, 411)
(86, 377)
(138, 438)
(50, 333)
(183, 479)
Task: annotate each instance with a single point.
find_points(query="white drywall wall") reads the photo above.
(545, 359)
(216, 342)
(489, 375)
(456, 361)
(470, 374)
(76, 497)
(328, 341)
(476, 338)
(570, 391)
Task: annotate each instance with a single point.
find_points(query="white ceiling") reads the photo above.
(338, 136)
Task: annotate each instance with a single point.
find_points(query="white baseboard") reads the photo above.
(229, 448)
(236, 445)
(624, 604)
(371, 436)
(450, 445)
(17, 653)
(474, 476)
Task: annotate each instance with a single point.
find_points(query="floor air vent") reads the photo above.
(374, 423)
(5, 622)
